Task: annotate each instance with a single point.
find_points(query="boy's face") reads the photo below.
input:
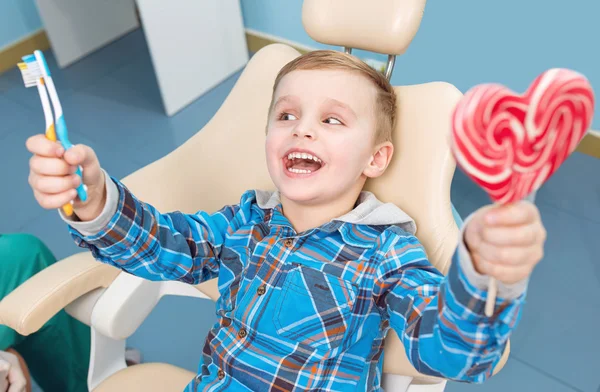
(320, 135)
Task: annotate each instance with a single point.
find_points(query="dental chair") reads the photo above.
(201, 175)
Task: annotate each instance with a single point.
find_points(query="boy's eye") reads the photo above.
(333, 121)
(287, 117)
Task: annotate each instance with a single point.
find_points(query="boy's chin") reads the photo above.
(301, 194)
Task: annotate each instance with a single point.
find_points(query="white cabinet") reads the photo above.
(194, 44)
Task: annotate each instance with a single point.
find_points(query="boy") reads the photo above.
(314, 275)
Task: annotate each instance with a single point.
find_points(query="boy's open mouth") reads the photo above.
(302, 163)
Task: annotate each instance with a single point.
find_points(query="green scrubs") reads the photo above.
(58, 354)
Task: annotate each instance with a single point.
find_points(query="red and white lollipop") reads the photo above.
(511, 144)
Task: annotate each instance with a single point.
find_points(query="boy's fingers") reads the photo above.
(510, 255)
(512, 236)
(84, 156)
(513, 214)
(504, 273)
(50, 166)
(473, 233)
(53, 184)
(40, 145)
(51, 202)
(80, 155)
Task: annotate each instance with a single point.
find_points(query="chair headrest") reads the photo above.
(382, 26)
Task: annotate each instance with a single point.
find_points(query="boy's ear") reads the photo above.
(379, 160)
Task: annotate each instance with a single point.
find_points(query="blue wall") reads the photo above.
(464, 42)
(467, 42)
(18, 18)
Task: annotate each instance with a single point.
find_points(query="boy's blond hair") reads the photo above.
(385, 106)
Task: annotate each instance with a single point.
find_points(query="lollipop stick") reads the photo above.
(493, 285)
(491, 299)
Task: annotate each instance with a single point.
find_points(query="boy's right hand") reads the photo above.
(53, 180)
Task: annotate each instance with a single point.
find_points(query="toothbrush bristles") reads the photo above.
(31, 72)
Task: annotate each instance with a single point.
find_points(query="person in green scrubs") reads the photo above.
(57, 355)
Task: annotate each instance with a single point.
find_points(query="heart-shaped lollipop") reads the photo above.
(511, 144)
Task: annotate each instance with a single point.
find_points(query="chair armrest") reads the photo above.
(32, 304)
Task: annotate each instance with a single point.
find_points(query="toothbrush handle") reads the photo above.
(81, 190)
(61, 132)
(51, 135)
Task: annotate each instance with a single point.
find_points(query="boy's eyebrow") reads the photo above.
(342, 105)
(284, 99)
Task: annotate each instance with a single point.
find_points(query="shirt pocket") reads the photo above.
(315, 308)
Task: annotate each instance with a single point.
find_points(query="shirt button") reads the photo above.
(261, 290)
(242, 333)
(288, 243)
(221, 374)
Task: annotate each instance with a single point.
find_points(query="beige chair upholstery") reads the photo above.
(383, 26)
(148, 377)
(206, 173)
(37, 300)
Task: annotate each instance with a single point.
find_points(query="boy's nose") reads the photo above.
(304, 132)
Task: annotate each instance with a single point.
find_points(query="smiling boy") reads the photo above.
(313, 275)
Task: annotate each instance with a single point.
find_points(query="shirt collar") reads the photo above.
(368, 211)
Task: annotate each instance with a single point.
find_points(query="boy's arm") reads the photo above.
(441, 320)
(135, 237)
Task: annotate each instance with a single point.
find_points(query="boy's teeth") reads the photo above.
(300, 171)
(302, 155)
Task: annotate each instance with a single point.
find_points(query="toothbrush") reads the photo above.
(31, 80)
(38, 69)
(37, 63)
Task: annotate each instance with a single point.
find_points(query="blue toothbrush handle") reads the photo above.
(81, 192)
(61, 133)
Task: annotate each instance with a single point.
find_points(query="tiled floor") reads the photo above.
(111, 102)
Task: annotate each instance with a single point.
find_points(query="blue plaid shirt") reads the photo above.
(309, 311)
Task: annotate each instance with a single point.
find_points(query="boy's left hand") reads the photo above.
(506, 242)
